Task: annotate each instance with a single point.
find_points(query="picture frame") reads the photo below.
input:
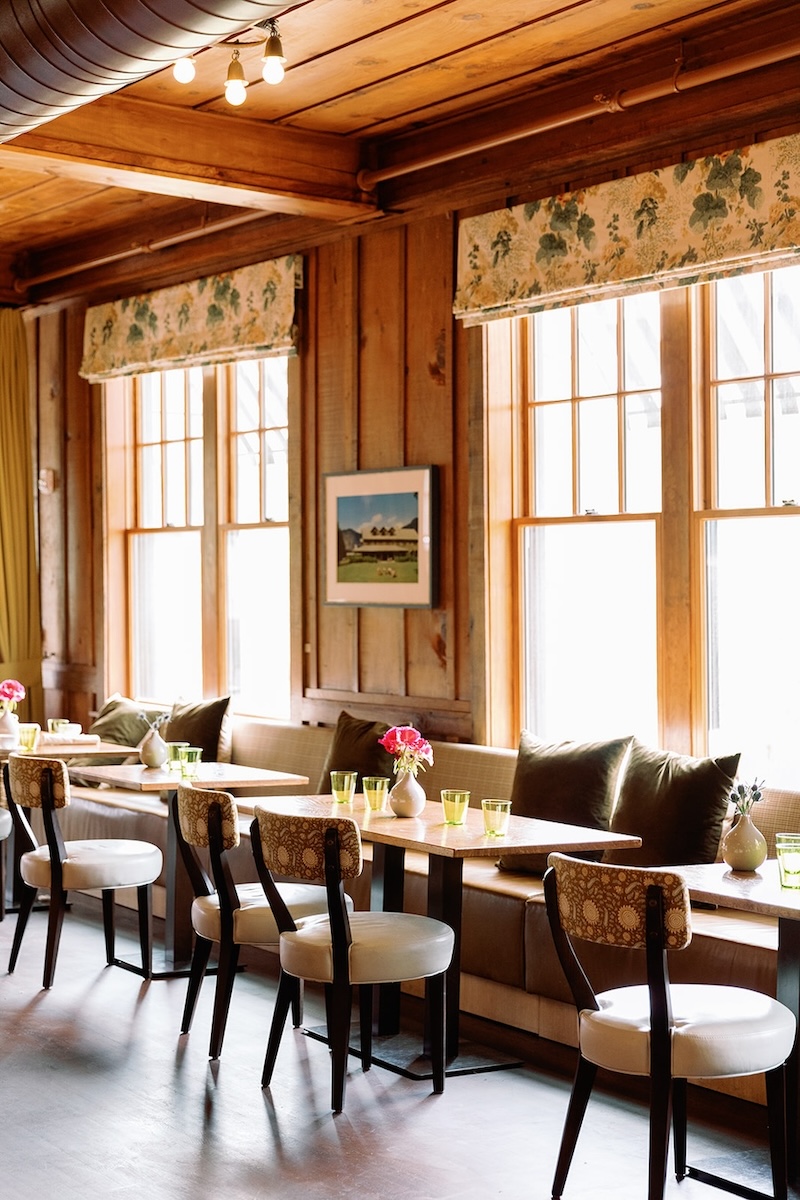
(380, 537)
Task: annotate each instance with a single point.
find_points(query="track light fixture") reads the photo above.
(235, 82)
(273, 59)
(183, 70)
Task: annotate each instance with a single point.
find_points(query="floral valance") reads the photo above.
(247, 313)
(719, 215)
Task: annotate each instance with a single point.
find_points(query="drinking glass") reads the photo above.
(56, 724)
(28, 734)
(343, 786)
(787, 850)
(376, 789)
(455, 803)
(174, 755)
(190, 761)
(495, 816)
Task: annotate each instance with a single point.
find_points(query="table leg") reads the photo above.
(386, 895)
(445, 903)
(788, 992)
(178, 935)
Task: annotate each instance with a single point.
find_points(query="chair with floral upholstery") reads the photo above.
(345, 950)
(669, 1032)
(223, 912)
(99, 864)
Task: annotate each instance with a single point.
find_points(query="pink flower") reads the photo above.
(409, 747)
(11, 690)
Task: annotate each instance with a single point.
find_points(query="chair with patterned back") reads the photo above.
(669, 1032)
(346, 950)
(223, 912)
(99, 864)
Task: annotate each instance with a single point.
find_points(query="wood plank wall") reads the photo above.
(377, 388)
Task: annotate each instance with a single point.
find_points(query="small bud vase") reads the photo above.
(153, 749)
(407, 798)
(744, 847)
(9, 730)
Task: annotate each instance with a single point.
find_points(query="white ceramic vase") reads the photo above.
(153, 749)
(407, 798)
(744, 847)
(9, 730)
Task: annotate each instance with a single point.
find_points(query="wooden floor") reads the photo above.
(102, 1099)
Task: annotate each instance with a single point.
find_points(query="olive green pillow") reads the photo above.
(355, 748)
(675, 803)
(120, 721)
(204, 724)
(572, 782)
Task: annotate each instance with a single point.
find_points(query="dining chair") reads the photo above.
(346, 950)
(223, 912)
(104, 864)
(668, 1032)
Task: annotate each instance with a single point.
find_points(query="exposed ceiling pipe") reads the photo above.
(621, 101)
(56, 55)
(23, 283)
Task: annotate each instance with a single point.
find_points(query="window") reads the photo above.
(589, 586)
(656, 558)
(208, 547)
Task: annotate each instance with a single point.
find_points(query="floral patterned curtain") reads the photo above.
(719, 215)
(247, 313)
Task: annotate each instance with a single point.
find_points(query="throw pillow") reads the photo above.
(355, 748)
(572, 782)
(204, 724)
(675, 803)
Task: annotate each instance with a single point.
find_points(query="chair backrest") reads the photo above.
(194, 805)
(25, 774)
(639, 908)
(294, 845)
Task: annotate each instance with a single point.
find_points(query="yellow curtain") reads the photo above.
(20, 621)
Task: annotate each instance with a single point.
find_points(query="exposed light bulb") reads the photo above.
(184, 70)
(272, 71)
(235, 82)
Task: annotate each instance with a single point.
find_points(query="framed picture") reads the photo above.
(379, 537)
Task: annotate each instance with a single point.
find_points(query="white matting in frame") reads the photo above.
(379, 537)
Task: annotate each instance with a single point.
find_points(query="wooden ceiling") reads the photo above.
(388, 108)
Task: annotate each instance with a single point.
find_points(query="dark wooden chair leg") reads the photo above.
(579, 1098)
(197, 971)
(776, 1116)
(226, 974)
(365, 1023)
(341, 999)
(27, 898)
(145, 906)
(660, 1122)
(286, 992)
(297, 1005)
(436, 1012)
(55, 920)
(679, 1126)
(109, 923)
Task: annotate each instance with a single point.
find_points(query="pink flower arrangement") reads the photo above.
(410, 749)
(11, 691)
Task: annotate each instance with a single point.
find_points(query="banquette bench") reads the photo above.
(510, 972)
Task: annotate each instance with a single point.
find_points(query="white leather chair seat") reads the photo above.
(719, 1031)
(253, 922)
(100, 863)
(6, 824)
(385, 947)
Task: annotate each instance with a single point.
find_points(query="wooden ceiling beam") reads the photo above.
(146, 146)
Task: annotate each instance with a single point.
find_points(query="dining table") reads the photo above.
(760, 891)
(447, 847)
(163, 783)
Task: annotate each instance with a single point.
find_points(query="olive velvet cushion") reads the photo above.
(572, 782)
(204, 724)
(675, 803)
(120, 720)
(355, 748)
